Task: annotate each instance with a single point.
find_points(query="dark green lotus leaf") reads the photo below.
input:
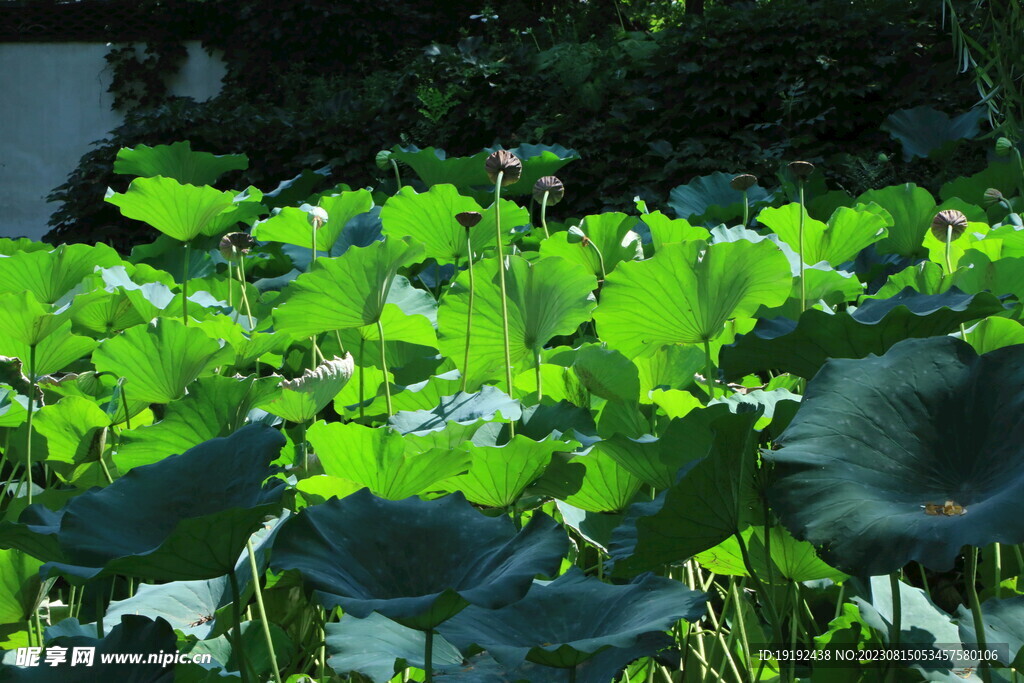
(564, 622)
(136, 635)
(188, 606)
(713, 499)
(709, 200)
(177, 161)
(298, 189)
(595, 527)
(50, 275)
(922, 625)
(1004, 623)
(880, 445)
(184, 518)
(461, 408)
(925, 130)
(603, 667)
(366, 554)
(225, 655)
(1000, 174)
(538, 161)
(803, 347)
(372, 645)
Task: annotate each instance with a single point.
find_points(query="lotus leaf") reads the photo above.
(881, 444)
(177, 161)
(925, 131)
(709, 200)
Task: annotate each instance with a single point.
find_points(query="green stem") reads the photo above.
(31, 412)
(322, 613)
(540, 390)
(708, 367)
(99, 612)
(746, 210)
(971, 578)
(304, 447)
(398, 177)
(245, 295)
(600, 259)
(803, 284)
(262, 610)
(897, 609)
(572, 672)
(544, 213)
(362, 379)
(231, 293)
(997, 568)
(184, 285)
(428, 656)
(239, 646)
(773, 616)
(740, 622)
(469, 315)
(384, 368)
(504, 292)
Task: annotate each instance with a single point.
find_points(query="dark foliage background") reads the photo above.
(745, 87)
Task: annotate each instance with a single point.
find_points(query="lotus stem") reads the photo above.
(362, 378)
(504, 293)
(100, 610)
(740, 622)
(31, 412)
(758, 586)
(746, 210)
(239, 646)
(997, 567)
(572, 672)
(803, 283)
(708, 367)
(971, 578)
(262, 609)
(469, 315)
(231, 293)
(600, 259)
(544, 213)
(428, 655)
(949, 268)
(184, 285)
(540, 391)
(384, 368)
(897, 608)
(398, 177)
(322, 613)
(245, 295)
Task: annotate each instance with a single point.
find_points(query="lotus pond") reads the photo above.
(450, 434)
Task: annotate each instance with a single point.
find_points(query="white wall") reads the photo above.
(53, 104)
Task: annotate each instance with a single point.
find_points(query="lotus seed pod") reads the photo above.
(503, 161)
(552, 186)
(743, 182)
(234, 244)
(317, 216)
(1003, 147)
(575, 235)
(801, 169)
(383, 159)
(992, 197)
(948, 224)
(468, 219)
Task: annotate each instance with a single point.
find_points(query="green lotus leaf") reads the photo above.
(177, 161)
(665, 230)
(225, 653)
(74, 428)
(879, 442)
(19, 586)
(57, 346)
(698, 288)
(498, 475)
(710, 200)
(792, 560)
(303, 397)
(473, 559)
(979, 273)
(106, 313)
(248, 347)
(1000, 174)
(538, 161)
(51, 275)
(298, 189)
(912, 209)
(803, 347)
(215, 406)
(180, 603)
(347, 291)
(291, 225)
(459, 409)
(923, 626)
(670, 367)
(13, 407)
(390, 465)
(612, 233)
(848, 232)
(25, 322)
(158, 360)
(925, 131)
(564, 622)
(995, 333)
(546, 298)
(429, 218)
(9, 247)
(607, 373)
(713, 499)
(184, 518)
(135, 634)
(606, 485)
(435, 167)
(182, 212)
(1004, 623)
(372, 645)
